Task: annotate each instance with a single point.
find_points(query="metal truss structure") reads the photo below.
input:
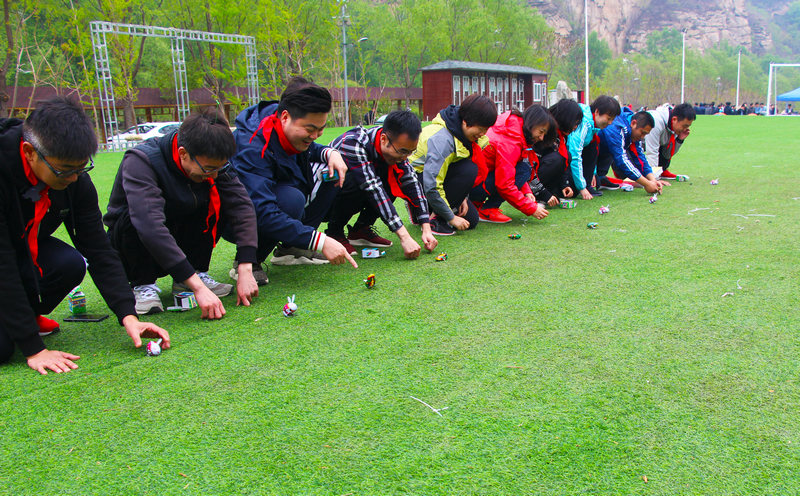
(100, 31)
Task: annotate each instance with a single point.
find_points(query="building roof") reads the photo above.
(479, 66)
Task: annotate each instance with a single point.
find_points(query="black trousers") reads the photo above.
(353, 200)
(487, 192)
(141, 267)
(589, 156)
(457, 186)
(553, 172)
(63, 268)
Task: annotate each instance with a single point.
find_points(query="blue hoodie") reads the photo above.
(260, 175)
(616, 140)
(576, 141)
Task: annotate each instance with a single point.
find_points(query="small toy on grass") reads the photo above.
(514, 236)
(604, 209)
(714, 182)
(184, 301)
(441, 257)
(369, 282)
(154, 347)
(372, 253)
(568, 203)
(592, 225)
(626, 187)
(76, 301)
(290, 307)
(654, 198)
(682, 178)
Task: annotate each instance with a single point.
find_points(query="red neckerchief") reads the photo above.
(394, 172)
(480, 160)
(213, 195)
(636, 154)
(562, 148)
(266, 126)
(40, 208)
(533, 159)
(671, 139)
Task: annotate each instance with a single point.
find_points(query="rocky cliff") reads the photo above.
(625, 24)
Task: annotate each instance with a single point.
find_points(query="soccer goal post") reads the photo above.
(772, 73)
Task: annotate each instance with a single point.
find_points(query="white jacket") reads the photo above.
(657, 140)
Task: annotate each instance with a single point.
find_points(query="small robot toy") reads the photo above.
(369, 282)
(441, 257)
(654, 198)
(592, 225)
(714, 182)
(290, 307)
(514, 236)
(154, 348)
(604, 209)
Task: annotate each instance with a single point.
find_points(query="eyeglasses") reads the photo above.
(403, 152)
(213, 170)
(74, 169)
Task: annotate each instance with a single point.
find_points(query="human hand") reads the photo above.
(594, 181)
(410, 247)
(137, 330)
(57, 361)
(684, 135)
(652, 187)
(540, 213)
(585, 194)
(553, 201)
(459, 223)
(336, 253)
(530, 196)
(336, 164)
(463, 208)
(246, 286)
(567, 192)
(428, 239)
(209, 303)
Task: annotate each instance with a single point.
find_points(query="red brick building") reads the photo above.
(451, 81)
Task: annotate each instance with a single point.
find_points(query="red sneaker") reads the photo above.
(347, 246)
(615, 180)
(665, 174)
(46, 326)
(494, 215)
(367, 236)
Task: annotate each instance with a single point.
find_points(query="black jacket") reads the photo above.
(157, 195)
(75, 207)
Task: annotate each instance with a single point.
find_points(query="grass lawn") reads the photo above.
(570, 361)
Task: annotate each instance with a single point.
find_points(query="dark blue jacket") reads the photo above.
(615, 140)
(261, 175)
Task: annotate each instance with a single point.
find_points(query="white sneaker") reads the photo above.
(218, 288)
(147, 299)
(259, 273)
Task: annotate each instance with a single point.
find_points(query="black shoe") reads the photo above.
(441, 228)
(593, 191)
(604, 183)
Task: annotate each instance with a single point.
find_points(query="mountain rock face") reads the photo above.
(625, 24)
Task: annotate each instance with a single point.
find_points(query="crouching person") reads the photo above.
(170, 200)
(378, 172)
(43, 183)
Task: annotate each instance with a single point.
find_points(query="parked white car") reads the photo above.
(141, 132)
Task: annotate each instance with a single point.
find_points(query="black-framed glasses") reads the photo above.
(403, 153)
(76, 170)
(213, 170)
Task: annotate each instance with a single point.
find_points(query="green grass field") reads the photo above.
(570, 361)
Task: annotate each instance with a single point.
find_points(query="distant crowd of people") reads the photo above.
(744, 109)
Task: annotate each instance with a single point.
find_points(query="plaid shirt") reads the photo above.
(370, 171)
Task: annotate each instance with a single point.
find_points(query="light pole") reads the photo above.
(719, 86)
(343, 17)
(738, 76)
(586, 49)
(683, 67)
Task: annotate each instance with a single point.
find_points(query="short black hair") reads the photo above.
(302, 97)
(535, 116)
(478, 110)
(402, 122)
(643, 119)
(60, 128)
(683, 111)
(605, 105)
(568, 115)
(207, 133)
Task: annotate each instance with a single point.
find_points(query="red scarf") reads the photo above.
(480, 160)
(636, 154)
(40, 208)
(213, 195)
(671, 140)
(267, 125)
(533, 159)
(394, 172)
(562, 148)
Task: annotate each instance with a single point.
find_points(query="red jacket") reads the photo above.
(506, 149)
